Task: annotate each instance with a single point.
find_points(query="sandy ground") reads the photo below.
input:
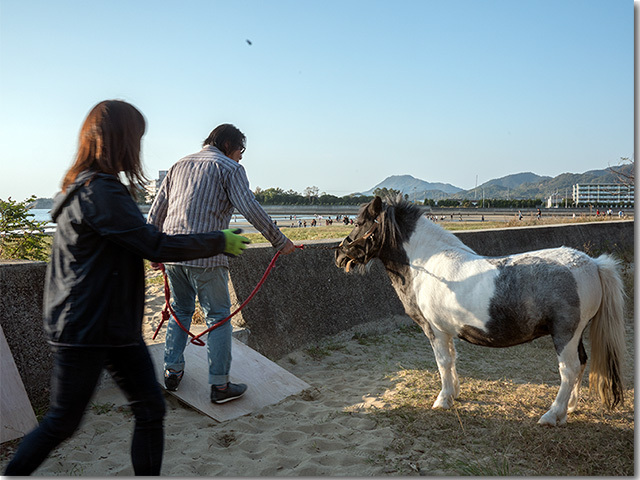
(322, 431)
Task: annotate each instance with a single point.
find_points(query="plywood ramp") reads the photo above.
(16, 414)
(267, 382)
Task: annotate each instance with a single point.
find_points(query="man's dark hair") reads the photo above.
(226, 138)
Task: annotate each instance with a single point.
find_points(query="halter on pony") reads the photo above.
(359, 242)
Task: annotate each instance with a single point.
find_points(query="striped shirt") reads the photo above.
(199, 194)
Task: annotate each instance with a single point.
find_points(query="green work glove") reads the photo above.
(234, 243)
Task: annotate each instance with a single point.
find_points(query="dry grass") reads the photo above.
(492, 429)
(309, 233)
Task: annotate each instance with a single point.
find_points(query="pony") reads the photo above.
(451, 291)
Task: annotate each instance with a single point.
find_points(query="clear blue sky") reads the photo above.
(337, 94)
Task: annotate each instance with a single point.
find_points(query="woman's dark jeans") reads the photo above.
(76, 372)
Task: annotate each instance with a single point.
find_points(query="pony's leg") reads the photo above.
(570, 369)
(454, 371)
(575, 393)
(445, 352)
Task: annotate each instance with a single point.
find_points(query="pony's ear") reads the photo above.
(375, 207)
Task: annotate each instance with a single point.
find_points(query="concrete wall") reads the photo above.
(305, 299)
(21, 289)
(593, 238)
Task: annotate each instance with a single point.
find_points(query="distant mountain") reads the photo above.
(414, 187)
(42, 203)
(534, 186)
(515, 180)
(519, 185)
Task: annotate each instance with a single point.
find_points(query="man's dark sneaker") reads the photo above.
(231, 392)
(172, 379)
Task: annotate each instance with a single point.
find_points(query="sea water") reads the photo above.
(40, 214)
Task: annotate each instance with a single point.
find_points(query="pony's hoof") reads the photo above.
(550, 419)
(546, 422)
(443, 403)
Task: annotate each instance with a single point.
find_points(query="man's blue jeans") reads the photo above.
(210, 286)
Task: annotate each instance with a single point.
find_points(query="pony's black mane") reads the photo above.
(398, 219)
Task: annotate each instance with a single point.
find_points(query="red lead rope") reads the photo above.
(168, 310)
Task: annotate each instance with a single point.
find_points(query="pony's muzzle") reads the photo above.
(342, 260)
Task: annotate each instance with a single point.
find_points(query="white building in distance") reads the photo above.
(154, 185)
(605, 194)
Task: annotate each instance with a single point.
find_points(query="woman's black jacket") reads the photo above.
(94, 288)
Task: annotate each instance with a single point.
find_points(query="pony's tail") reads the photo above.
(607, 336)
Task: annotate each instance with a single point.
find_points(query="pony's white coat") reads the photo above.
(463, 282)
(452, 284)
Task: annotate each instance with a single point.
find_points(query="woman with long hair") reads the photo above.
(94, 288)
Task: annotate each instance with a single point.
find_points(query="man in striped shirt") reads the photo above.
(199, 194)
